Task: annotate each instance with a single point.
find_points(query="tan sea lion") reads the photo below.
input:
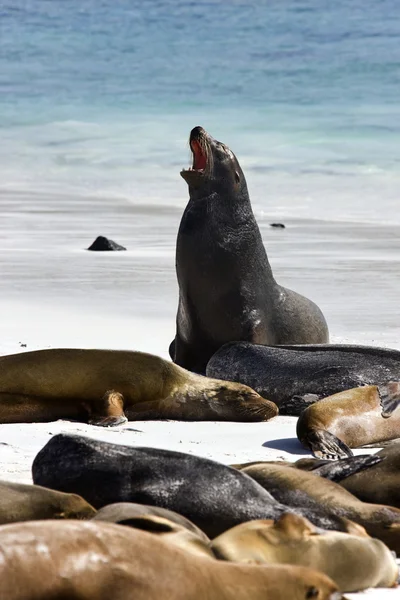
(350, 419)
(60, 560)
(24, 502)
(106, 385)
(172, 527)
(294, 488)
(354, 563)
(381, 482)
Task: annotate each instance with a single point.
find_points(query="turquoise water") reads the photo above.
(97, 97)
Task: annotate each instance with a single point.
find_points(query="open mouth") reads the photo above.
(198, 148)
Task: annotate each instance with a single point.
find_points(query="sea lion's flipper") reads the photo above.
(295, 405)
(338, 470)
(324, 444)
(389, 394)
(107, 412)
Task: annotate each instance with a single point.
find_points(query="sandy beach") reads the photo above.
(54, 293)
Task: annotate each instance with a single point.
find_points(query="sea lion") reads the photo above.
(296, 376)
(123, 513)
(380, 483)
(59, 560)
(172, 527)
(226, 287)
(354, 563)
(333, 470)
(45, 385)
(350, 419)
(294, 487)
(213, 496)
(24, 502)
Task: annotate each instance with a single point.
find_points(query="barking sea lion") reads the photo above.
(226, 287)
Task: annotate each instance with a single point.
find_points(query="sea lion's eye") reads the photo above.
(237, 177)
(312, 593)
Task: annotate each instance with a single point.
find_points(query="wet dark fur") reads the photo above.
(291, 375)
(226, 287)
(213, 496)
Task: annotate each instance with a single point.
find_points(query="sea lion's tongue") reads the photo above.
(199, 157)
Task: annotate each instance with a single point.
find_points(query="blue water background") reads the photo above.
(97, 98)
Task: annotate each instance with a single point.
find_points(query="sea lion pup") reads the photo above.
(296, 376)
(213, 496)
(173, 528)
(380, 483)
(294, 487)
(226, 287)
(350, 419)
(59, 560)
(24, 502)
(110, 386)
(354, 563)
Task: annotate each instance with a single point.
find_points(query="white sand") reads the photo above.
(54, 294)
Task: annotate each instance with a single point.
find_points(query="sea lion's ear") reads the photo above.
(295, 526)
(237, 177)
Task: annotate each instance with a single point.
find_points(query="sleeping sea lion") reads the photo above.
(70, 560)
(294, 487)
(172, 527)
(380, 483)
(295, 377)
(110, 386)
(24, 502)
(350, 419)
(354, 563)
(213, 496)
(226, 287)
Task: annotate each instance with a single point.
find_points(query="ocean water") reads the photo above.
(97, 98)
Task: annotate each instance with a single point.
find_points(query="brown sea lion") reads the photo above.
(172, 527)
(24, 502)
(302, 488)
(110, 386)
(350, 419)
(60, 560)
(381, 482)
(354, 563)
(227, 290)
(335, 470)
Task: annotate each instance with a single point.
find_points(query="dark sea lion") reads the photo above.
(226, 287)
(24, 502)
(68, 560)
(381, 483)
(294, 487)
(295, 377)
(337, 470)
(351, 419)
(213, 496)
(354, 563)
(106, 385)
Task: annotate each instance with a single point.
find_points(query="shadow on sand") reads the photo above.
(290, 445)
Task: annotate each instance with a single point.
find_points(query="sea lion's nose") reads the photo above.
(197, 132)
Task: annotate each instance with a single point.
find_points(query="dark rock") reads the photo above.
(103, 243)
